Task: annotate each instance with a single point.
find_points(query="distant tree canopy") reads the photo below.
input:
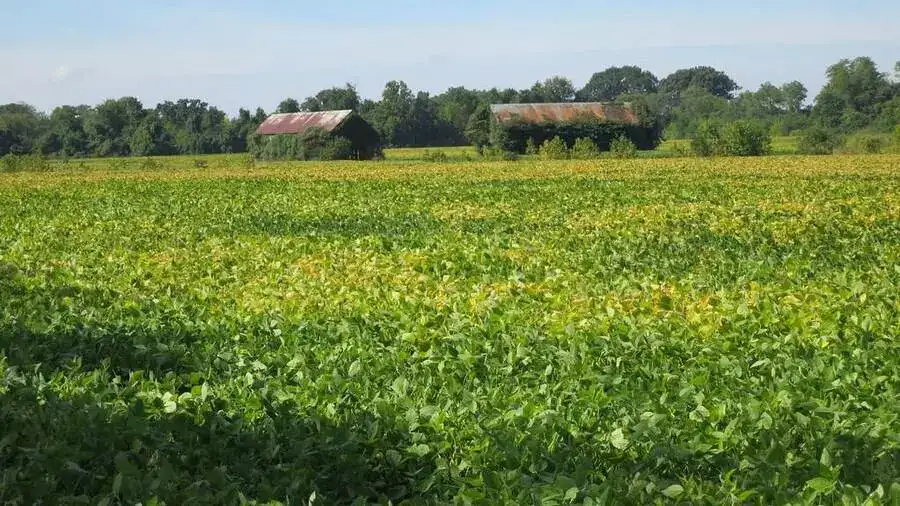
(708, 79)
(332, 99)
(857, 96)
(614, 82)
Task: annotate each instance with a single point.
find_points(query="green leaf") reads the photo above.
(354, 368)
(420, 450)
(571, 494)
(170, 406)
(820, 485)
(673, 491)
(825, 459)
(618, 440)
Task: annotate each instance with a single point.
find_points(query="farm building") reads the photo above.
(363, 138)
(513, 124)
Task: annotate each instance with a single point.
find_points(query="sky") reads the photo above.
(240, 54)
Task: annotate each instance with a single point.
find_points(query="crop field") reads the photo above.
(649, 331)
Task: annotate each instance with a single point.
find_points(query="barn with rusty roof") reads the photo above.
(363, 138)
(513, 125)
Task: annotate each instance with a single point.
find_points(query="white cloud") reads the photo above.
(61, 73)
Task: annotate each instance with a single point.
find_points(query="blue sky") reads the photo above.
(235, 54)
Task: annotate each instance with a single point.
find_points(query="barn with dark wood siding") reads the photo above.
(346, 124)
(512, 125)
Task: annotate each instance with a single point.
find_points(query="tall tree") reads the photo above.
(611, 83)
(709, 79)
(20, 127)
(333, 99)
(288, 105)
(555, 89)
(853, 94)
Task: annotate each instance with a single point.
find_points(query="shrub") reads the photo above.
(554, 149)
(11, 162)
(530, 147)
(434, 156)
(746, 138)
(29, 163)
(622, 147)
(585, 149)
(150, 164)
(707, 140)
(497, 154)
(741, 138)
(867, 143)
(818, 141)
(336, 148)
(895, 140)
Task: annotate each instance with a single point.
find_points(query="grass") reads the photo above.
(616, 332)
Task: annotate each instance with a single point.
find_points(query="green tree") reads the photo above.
(478, 128)
(332, 99)
(712, 81)
(288, 105)
(67, 130)
(853, 95)
(555, 89)
(111, 124)
(21, 126)
(613, 82)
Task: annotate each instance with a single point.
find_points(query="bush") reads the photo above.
(530, 147)
(434, 156)
(28, 163)
(741, 138)
(867, 143)
(818, 141)
(554, 149)
(895, 140)
(746, 138)
(150, 164)
(622, 147)
(707, 140)
(585, 149)
(496, 154)
(336, 148)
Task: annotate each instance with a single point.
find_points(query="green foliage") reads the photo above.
(496, 154)
(708, 79)
(708, 140)
(435, 156)
(651, 332)
(746, 138)
(336, 148)
(740, 138)
(554, 149)
(585, 149)
(313, 144)
(867, 143)
(531, 148)
(514, 136)
(818, 141)
(612, 83)
(622, 147)
(23, 163)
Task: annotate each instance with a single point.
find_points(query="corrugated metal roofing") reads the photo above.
(299, 122)
(542, 113)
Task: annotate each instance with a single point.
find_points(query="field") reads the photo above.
(715, 331)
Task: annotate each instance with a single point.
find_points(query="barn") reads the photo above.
(346, 124)
(513, 124)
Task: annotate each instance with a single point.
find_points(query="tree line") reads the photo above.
(857, 96)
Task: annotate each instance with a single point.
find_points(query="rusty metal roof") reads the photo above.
(299, 122)
(551, 113)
